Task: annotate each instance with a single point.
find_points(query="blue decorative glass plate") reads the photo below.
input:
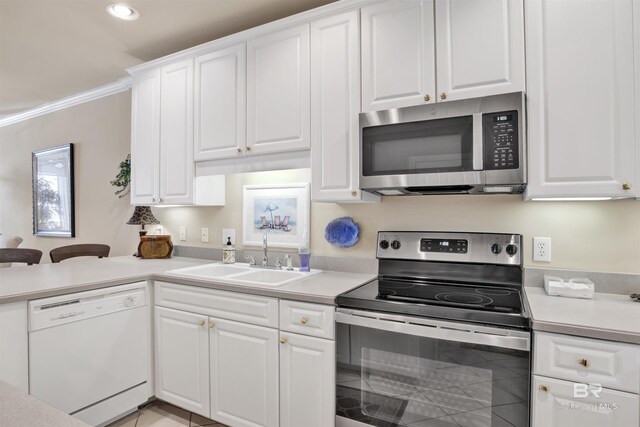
(342, 232)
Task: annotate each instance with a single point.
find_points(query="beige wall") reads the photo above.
(100, 131)
(593, 236)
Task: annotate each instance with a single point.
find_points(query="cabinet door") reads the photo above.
(580, 98)
(182, 359)
(244, 374)
(480, 48)
(398, 54)
(220, 103)
(145, 138)
(278, 91)
(176, 134)
(559, 403)
(307, 381)
(335, 104)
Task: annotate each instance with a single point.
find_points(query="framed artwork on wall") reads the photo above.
(280, 211)
(53, 198)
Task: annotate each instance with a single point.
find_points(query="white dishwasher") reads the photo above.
(88, 352)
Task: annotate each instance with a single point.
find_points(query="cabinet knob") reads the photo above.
(202, 323)
(427, 98)
(153, 199)
(443, 95)
(211, 324)
(584, 362)
(304, 320)
(248, 148)
(239, 150)
(283, 340)
(160, 200)
(543, 388)
(354, 193)
(626, 186)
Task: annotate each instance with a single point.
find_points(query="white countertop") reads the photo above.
(45, 280)
(18, 409)
(606, 316)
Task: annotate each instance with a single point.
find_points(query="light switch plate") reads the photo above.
(204, 235)
(183, 233)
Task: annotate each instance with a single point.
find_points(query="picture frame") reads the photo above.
(53, 192)
(280, 211)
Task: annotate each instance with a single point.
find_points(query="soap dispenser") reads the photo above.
(228, 253)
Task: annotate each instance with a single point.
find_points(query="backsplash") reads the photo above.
(599, 236)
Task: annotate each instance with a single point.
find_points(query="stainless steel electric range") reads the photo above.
(440, 338)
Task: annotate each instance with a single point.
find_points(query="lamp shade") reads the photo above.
(142, 215)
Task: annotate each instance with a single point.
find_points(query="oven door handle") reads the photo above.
(428, 328)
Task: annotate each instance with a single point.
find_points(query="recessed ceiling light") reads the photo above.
(122, 11)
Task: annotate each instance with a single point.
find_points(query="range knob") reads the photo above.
(384, 244)
(512, 250)
(496, 248)
(395, 244)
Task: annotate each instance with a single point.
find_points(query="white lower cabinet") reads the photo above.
(556, 403)
(584, 382)
(244, 373)
(14, 345)
(220, 354)
(307, 381)
(182, 359)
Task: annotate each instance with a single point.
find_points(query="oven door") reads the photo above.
(403, 371)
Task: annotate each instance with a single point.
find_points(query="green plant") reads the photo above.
(123, 178)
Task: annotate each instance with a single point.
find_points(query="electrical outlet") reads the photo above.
(229, 232)
(183, 233)
(542, 249)
(204, 235)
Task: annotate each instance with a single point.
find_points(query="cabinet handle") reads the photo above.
(443, 95)
(283, 340)
(304, 320)
(543, 388)
(427, 98)
(202, 323)
(584, 362)
(626, 186)
(354, 193)
(211, 324)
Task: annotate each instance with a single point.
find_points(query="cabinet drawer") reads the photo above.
(557, 403)
(253, 309)
(307, 319)
(611, 364)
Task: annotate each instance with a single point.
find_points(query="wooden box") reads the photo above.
(155, 246)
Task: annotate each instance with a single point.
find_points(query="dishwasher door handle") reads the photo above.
(68, 315)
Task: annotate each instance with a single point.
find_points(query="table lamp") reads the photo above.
(142, 215)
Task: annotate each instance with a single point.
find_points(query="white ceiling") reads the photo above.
(51, 49)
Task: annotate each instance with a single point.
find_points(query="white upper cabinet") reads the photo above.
(278, 91)
(335, 105)
(480, 48)
(398, 54)
(580, 84)
(176, 133)
(220, 103)
(145, 138)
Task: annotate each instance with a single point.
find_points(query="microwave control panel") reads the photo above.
(501, 140)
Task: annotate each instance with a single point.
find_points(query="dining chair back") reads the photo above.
(28, 256)
(72, 251)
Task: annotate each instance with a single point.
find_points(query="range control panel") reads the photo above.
(501, 140)
(480, 248)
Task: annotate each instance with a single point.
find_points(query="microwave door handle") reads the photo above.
(477, 142)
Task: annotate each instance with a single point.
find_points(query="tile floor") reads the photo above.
(161, 414)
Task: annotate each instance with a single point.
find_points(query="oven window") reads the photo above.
(430, 146)
(391, 379)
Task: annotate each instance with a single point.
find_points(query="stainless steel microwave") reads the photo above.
(473, 146)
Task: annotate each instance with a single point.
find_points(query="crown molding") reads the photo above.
(118, 86)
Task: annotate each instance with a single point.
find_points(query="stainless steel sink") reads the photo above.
(242, 274)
